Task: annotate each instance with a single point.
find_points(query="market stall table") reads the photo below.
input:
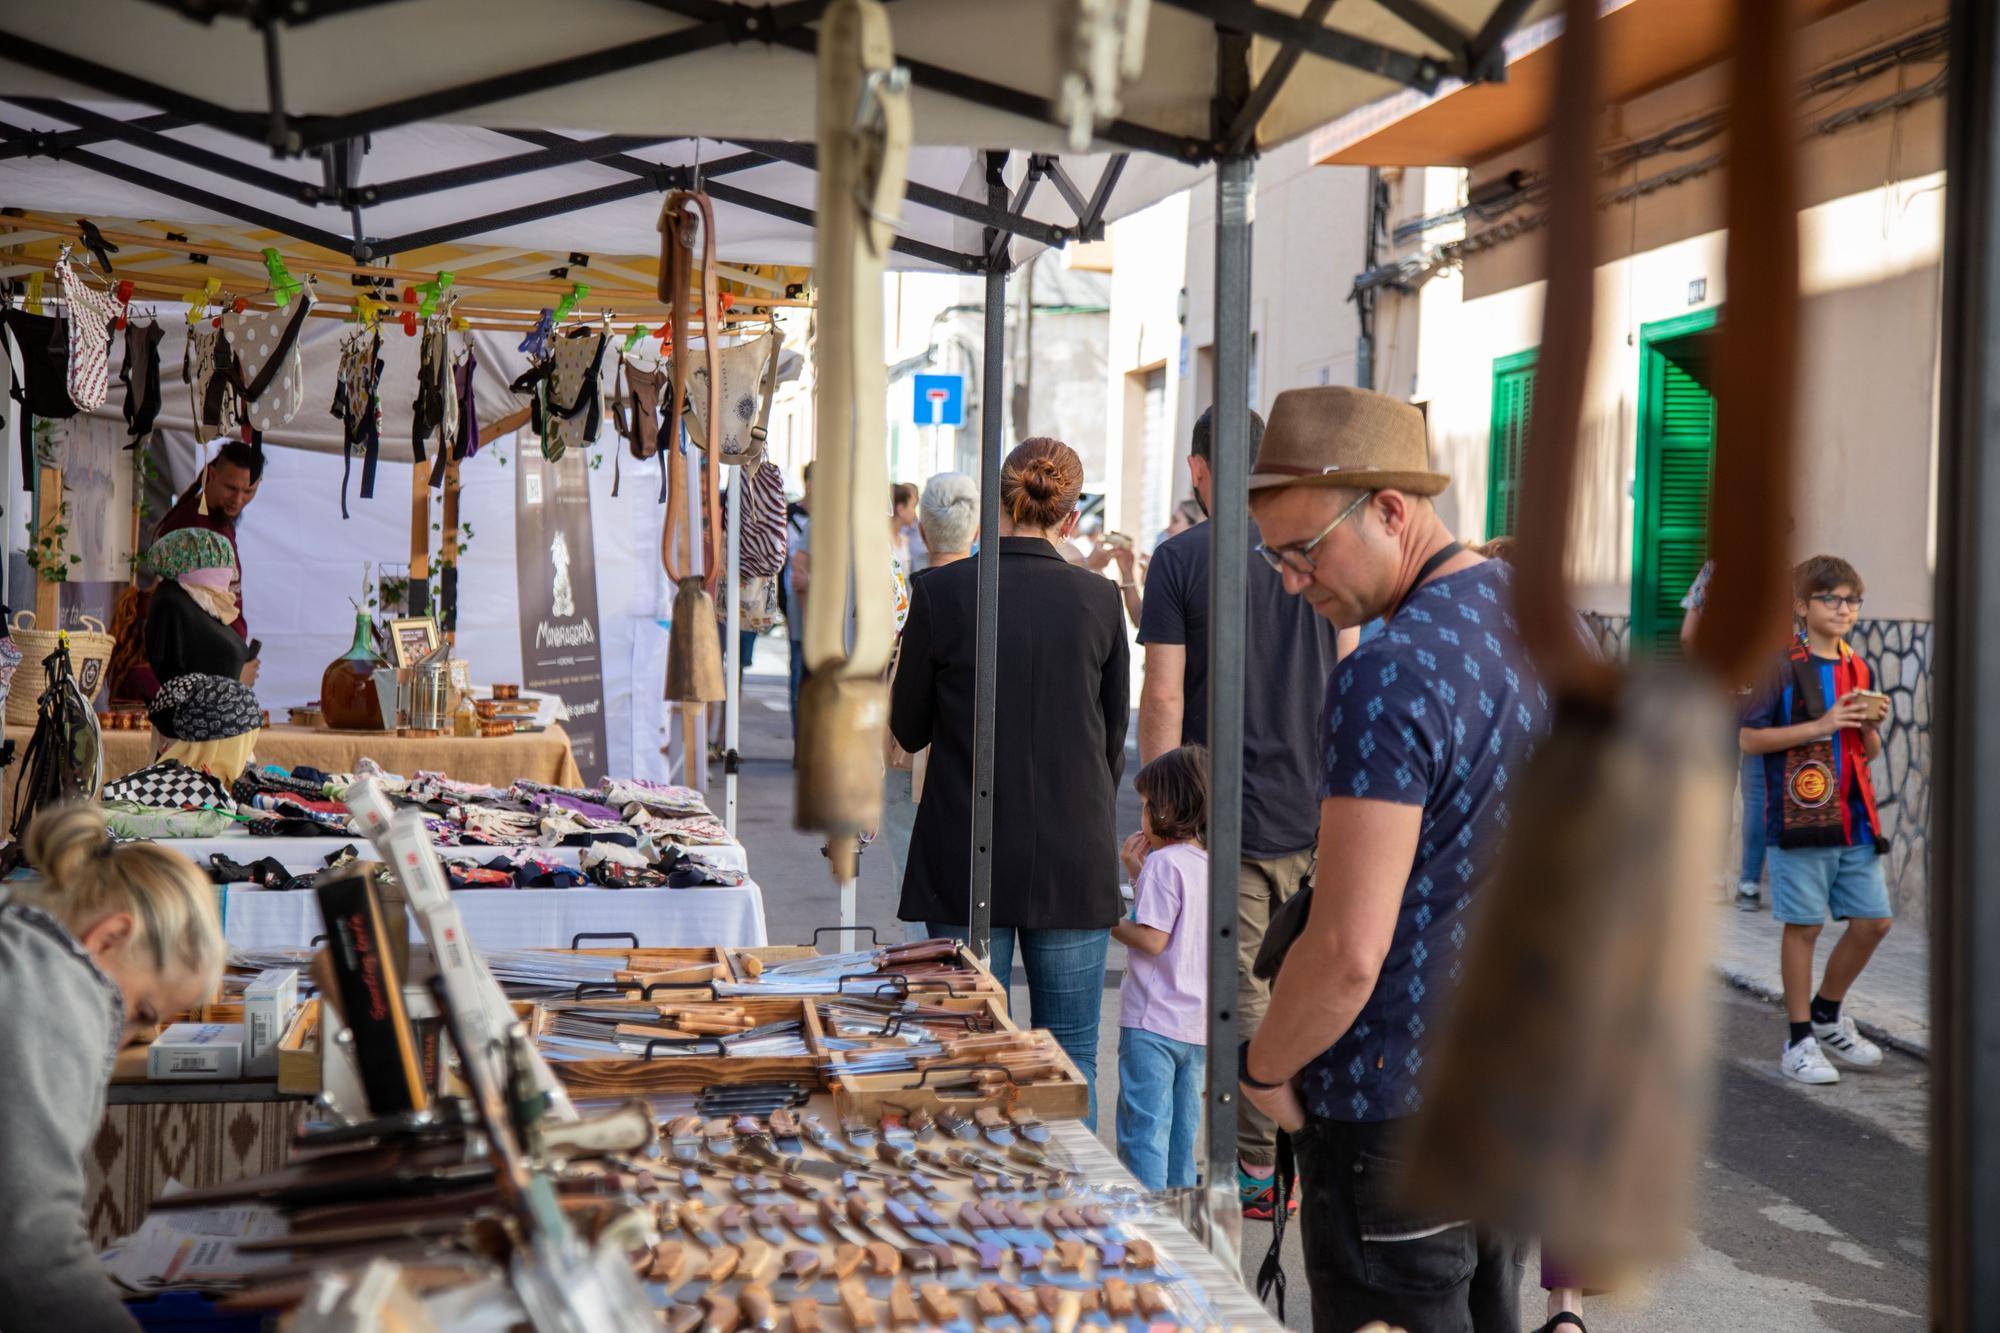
(729, 917)
(536, 756)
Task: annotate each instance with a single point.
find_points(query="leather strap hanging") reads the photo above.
(864, 144)
(694, 649)
(1569, 1087)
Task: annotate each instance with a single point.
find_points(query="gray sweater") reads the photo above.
(61, 1020)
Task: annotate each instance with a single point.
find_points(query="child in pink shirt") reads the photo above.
(1162, 1026)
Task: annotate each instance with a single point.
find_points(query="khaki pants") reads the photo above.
(1262, 887)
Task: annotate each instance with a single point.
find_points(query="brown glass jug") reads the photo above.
(347, 697)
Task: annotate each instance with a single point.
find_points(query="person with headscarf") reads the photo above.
(189, 624)
(207, 722)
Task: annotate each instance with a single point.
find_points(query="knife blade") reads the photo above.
(802, 1266)
(785, 1132)
(858, 1132)
(831, 1216)
(994, 1126)
(802, 1225)
(765, 1219)
(992, 1307)
(731, 1221)
(922, 1125)
(684, 1138)
(957, 1126)
(694, 1221)
(1020, 1231)
(937, 1221)
(895, 1133)
(906, 1217)
(1097, 1227)
(991, 1246)
(1030, 1125)
(718, 1135)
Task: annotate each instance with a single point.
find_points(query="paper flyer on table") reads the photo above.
(175, 1249)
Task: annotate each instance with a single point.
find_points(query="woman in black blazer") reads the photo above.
(1064, 692)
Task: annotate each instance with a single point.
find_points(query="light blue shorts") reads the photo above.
(1809, 882)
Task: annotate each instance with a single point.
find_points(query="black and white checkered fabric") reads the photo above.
(168, 785)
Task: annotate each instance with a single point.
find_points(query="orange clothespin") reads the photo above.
(724, 301)
(124, 294)
(409, 315)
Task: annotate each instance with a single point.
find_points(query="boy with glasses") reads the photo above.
(1817, 726)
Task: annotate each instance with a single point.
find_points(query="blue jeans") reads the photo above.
(1065, 986)
(1752, 782)
(1160, 1084)
(798, 666)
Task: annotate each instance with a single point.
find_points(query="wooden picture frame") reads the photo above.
(412, 639)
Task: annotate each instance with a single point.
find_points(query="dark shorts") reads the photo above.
(1368, 1257)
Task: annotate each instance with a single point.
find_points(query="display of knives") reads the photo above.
(1030, 1125)
(803, 1224)
(989, 1244)
(764, 1218)
(784, 1127)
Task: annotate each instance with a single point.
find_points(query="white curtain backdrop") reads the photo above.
(301, 564)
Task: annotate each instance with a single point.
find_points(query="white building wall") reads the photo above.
(1148, 285)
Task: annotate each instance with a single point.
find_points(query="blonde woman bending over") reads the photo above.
(104, 942)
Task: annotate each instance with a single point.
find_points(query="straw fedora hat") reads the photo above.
(1339, 436)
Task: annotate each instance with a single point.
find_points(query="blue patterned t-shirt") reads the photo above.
(1440, 710)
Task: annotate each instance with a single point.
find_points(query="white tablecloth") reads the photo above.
(529, 918)
(303, 854)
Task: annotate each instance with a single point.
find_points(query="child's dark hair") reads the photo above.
(1823, 573)
(1175, 789)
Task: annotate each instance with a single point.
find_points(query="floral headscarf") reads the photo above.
(187, 550)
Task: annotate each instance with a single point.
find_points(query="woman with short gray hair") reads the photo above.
(948, 516)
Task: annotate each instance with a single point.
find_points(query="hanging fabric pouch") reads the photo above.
(749, 380)
(90, 316)
(267, 370)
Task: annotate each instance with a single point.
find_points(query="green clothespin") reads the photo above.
(431, 291)
(283, 285)
(570, 302)
(632, 338)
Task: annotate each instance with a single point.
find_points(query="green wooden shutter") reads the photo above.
(1513, 403)
(1679, 460)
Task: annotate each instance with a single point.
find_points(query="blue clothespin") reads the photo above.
(536, 344)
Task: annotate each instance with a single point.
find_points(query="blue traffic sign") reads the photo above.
(940, 400)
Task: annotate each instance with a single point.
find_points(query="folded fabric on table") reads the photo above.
(129, 820)
(465, 875)
(288, 828)
(526, 790)
(498, 827)
(600, 853)
(267, 873)
(576, 805)
(687, 830)
(562, 828)
(661, 798)
(691, 870)
(613, 875)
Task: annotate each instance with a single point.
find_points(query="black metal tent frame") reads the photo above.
(1239, 102)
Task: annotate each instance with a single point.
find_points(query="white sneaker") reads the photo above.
(1749, 898)
(1804, 1063)
(1849, 1047)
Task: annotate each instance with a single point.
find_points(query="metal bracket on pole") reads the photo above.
(986, 672)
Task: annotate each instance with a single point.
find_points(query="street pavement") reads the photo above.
(1811, 1210)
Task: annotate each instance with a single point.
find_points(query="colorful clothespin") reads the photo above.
(459, 322)
(33, 302)
(123, 293)
(431, 291)
(283, 285)
(197, 301)
(632, 338)
(409, 312)
(570, 302)
(536, 344)
(724, 300)
(367, 311)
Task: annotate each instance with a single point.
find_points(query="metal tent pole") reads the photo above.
(732, 722)
(1965, 911)
(1229, 548)
(986, 682)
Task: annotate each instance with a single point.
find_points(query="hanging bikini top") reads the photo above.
(564, 401)
(266, 371)
(357, 401)
(141, 378)
(461, 425)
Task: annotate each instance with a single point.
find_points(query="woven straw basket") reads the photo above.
(89, 656)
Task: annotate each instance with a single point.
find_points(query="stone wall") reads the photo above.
(1899, 653)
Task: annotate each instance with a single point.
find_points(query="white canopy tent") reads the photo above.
(172, 110)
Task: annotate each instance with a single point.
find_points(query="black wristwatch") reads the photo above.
(1243, 1071)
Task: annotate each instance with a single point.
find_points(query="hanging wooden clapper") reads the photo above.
(864, 148)
(1568, 1093)
(694, 648)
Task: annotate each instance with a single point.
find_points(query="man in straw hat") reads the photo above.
(1423, 729)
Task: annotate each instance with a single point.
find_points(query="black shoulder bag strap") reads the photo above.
(1271, 1273)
